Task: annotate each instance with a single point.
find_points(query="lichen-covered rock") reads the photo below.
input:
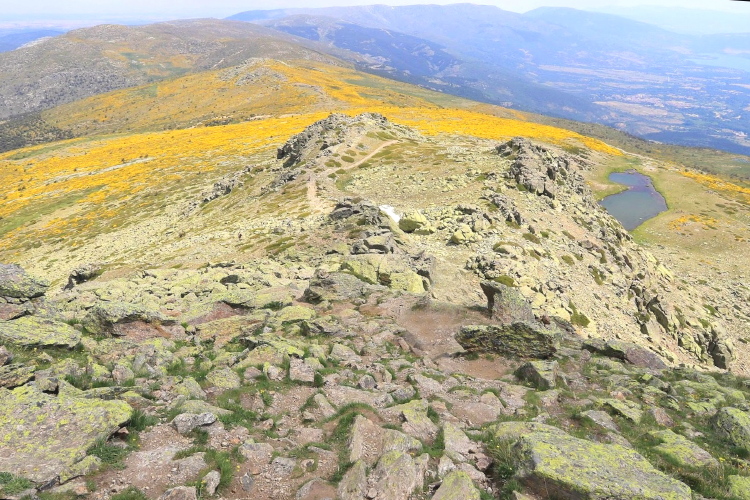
(734, 425)
(522, 339)
(105, 317)
(506, 304)
(5, 355)
(180, 493)
(541, 374)
(457, 486)
(554, 464)
(224, 378)
(32, 331)
(42, 435)
(14, 375)
(18, 284)
(353, 486)
(739, 487)
(634, 354)
(331, 287)
(86, 466)
(628, 409)
(682, 451)
(186, 422)
(415, 420)
(396, 476)
(457, 443)
(300, 371)
(412, 221)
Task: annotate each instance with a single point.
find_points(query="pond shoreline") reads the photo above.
(639, 202)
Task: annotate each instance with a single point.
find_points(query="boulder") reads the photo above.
(412, 221)
(15, 375)
(457, 485)
(45, 435)
(626, 409)
(632, 353)
(211, 482)
(299, 371)
(186, 422)
(734, 425)
(396, 476)
(180, 493)
(540, 374)
(522, 339)
(739, 487)
(353, 486)
(82, 274)
(18, 284)
(331, 287)
(682, 451)
(506, 304)
(561, 466)
(110, 317)
(32, 331)
(5, 356)
(224, 378)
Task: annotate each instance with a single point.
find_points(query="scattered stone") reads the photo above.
(367, 382)
(457, 445)
(5, 356)
(661, 417)
(634, 354)
(415, 420)
(186, 422)
(82, 274)
(396, 476)
(112, 318)
(257, 455)
(353, 486)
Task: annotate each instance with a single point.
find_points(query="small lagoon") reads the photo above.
(639, 203)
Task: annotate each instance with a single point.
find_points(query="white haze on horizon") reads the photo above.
(78, 13)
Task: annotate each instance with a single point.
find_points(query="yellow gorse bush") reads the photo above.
(105, 175)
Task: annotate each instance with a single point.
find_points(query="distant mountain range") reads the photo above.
(563, 62)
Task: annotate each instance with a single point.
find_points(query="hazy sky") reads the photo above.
(171, 9)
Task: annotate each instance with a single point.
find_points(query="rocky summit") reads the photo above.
(371, 312)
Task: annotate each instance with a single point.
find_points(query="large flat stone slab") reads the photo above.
(41, 435)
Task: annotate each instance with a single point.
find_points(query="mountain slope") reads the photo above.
(91, 61)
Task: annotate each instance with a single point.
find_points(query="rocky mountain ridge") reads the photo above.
(478, 330)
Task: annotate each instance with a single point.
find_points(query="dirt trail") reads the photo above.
(317, 205)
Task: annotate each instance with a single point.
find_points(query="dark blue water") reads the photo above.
(639, 203)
